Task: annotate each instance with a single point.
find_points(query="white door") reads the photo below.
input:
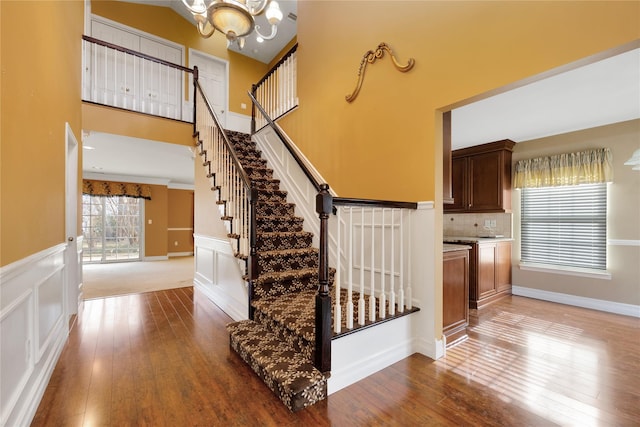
(213, 77)
(114, 74)
(162, 87)
(73, 262)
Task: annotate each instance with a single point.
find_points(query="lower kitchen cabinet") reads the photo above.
(490, 272)
(455, 294)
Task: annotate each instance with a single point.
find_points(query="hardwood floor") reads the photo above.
(163, 359)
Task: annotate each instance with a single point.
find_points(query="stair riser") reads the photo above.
(282, 242)
(275, 209)
(268, 184)
(259, 173)
(279, 225)
(272, 196)
(299, 343)
(280, 288)
(282, 262)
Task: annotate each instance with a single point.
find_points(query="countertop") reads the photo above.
(474, 239)
(450, 248)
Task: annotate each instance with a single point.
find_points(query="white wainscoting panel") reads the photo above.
(33, 330)
(358, 355)
(219, 276)
(238, 122)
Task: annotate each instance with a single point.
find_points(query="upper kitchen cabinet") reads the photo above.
(481, 178)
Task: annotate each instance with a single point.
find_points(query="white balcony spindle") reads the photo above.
(382, 300)
(372, 272)
(401, 284)
(350, 272)
(337, 313)
(361, 303)
(409, 293)
(392, 291)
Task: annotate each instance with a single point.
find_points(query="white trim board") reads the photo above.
(578, 301)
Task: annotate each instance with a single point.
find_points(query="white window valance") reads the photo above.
(584, 167)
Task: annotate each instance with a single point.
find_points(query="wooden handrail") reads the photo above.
(136, 53)
(243, 174)
(344, 201)
(284, 140)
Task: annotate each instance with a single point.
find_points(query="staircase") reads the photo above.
(279, 342)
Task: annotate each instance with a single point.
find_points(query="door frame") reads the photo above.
(73, 258)
(223, 62)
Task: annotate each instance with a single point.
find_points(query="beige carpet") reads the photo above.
(105, 280)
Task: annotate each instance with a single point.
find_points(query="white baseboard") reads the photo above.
(176, 254)
(156, 258)
(578, 301)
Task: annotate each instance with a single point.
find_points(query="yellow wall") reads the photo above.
(283, 52)
(387, 143)
(156, 211)
(40, 92)
(180, 208)
(164, 22)
(129, 123)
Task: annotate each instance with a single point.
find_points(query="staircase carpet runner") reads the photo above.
(279, 344)
(279, 349)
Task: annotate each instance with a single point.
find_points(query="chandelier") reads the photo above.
(234, 18)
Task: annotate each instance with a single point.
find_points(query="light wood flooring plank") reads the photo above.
(163, 359)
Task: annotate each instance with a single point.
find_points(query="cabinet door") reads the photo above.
(503, 266)
(161, 86)
(486, 274)
(458, 185)
(485, 181)
(455, 290)
(111, 75)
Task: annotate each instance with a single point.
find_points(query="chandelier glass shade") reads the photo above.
(234, 18)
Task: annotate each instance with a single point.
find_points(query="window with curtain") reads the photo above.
(564, 209)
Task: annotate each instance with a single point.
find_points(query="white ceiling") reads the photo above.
(601, 93)
(263, 52)
(122, 158)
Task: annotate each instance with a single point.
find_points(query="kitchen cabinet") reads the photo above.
(481, 178)
(455, 293)
(489, 272)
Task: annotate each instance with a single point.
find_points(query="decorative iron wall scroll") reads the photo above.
(369, 58)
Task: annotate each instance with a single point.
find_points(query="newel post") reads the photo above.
(195, 94)
(324, 206)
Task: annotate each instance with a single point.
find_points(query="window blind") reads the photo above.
(565, 226)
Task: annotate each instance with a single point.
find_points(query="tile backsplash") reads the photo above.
(473, 224)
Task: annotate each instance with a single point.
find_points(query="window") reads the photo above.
(565, 226)
(111, 227)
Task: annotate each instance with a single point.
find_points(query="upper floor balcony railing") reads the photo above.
(120, 77)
